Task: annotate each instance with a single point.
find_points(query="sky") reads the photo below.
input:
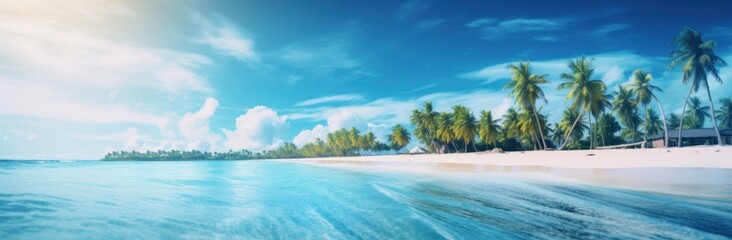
(81, 78)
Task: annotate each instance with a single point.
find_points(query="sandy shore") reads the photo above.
(719, 157)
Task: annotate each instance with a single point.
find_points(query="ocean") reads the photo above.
(289, 200)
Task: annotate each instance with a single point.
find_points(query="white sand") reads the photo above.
(719, 157)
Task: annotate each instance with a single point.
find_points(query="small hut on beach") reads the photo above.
(692, 137)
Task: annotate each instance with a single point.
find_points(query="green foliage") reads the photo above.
(488, 128)
(606, 128)
(342, 142)
(464, 127)
(697, 113)
(673, 121)
(564, 128)
(399, 137)
(652, 124)
(725, 113)
(587, 95)
(526, 91)
(626, 107)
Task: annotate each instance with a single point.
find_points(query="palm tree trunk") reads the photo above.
(645, 123)
(454, 146)
(602, 133)
(535, 140)
(541, 131)
(714, 119)
(592, 136)
(566, 139)
(683, 110)
(663, 117)
(466, 146)
(474, 149)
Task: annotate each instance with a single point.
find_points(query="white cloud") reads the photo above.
(527, 25)
(133, 138)
(26, 98)
(330, 99)
(194, 127)
(59, 60)
(346, 119)
(603, 63)
(260, 128)
(308, 135)
(225, 38)
(55, 49)
(612, 75)
(606, 29)
(544, 29)
(323, 55)
(342, 119)
(480, 22)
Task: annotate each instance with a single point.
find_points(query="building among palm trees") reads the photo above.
(691, 137)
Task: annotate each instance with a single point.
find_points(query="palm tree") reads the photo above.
(725, 113)
(673, 120)
(399, 137)
(641, 85)
(420, 129)
(571, 120)
(606, 126)
(697, 59)
(626, 107)
(488, 128)
(527, 126)
(444, 129)
(652, 124)
(510, 123)
(525, 88)
(585, 93)
(464, 126)
(697, 112)
(424, 122)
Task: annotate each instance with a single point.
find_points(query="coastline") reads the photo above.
(719, 157)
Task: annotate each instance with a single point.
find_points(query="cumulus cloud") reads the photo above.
(344, 118)
(194, 127)
(133, 138)
(260, 128)
(310, 135)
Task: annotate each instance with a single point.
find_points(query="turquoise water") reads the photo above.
(280, 200)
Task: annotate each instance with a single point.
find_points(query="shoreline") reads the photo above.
(719, 157)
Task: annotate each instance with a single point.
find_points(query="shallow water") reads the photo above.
(281, 200)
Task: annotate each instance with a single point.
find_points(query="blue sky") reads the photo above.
(82, 78)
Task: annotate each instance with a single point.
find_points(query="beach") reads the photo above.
(687, 157)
